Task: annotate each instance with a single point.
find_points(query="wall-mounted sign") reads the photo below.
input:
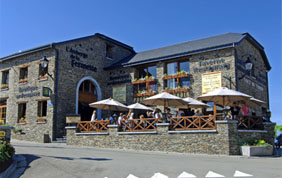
(211, 65)
(120, 77)
(2, 134)
(46, 91)
(211, 81)
(119, 93)
(75, 52)
(31, 89)
(83, 66)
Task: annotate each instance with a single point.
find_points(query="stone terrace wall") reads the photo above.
(223, 140)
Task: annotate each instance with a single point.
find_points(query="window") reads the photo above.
(3, 111)
(42, 71)
(88, 87)
(173, 69)
(21, 112)
(5, 79)
(149, 72)
(23, 74)
(109, 51)
(42, 108)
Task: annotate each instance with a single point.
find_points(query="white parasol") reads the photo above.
(139, 107)
(109, 104)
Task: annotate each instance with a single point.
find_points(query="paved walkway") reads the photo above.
(60, 160)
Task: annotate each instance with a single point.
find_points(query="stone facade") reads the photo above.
(74, 61)
(223, 140)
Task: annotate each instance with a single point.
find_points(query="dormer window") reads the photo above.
(109, 51)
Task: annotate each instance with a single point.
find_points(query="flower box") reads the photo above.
(22, 122)
(137, 95)
(45, 77)
(41, 121)
(256, 150)
(138, 82)
(178, 90)
(150, 80)
(23, 81)
(175, 76)
(4, 87)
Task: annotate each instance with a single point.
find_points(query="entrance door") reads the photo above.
(3, 111)
(87, 94)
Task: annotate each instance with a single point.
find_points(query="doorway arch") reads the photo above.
(98, 93)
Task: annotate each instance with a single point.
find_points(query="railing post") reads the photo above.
(162, 128)
(269, 127)
(228, 136)
(70, 134)
(113, 130)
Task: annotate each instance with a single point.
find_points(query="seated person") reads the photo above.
(110, 118)
(198, 113)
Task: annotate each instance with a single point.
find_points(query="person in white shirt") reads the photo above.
(93, 117)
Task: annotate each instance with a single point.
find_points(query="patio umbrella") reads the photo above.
(109, 104)
(186, 175)
(193, 103)
(224, 96)
(139, 107)
(159, 175)
(253, 102)
(165, 99)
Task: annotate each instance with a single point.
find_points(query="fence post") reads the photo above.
(162, 128)
(113, 130)
(269, 127)
(228, 136)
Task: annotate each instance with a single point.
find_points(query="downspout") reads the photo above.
(55, 104)
(235, 64)
(267, 90)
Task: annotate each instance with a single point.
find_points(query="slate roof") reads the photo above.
(193, 47)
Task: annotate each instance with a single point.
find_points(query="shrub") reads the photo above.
(252, 142)
(6, 153)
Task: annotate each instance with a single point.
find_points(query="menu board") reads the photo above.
(119, 93)
(210, 81)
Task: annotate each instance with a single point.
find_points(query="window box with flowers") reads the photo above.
(180, 74)
(22, 81)
(144, 94)
(22, 121)
(41, 120)
(5, 86)
(177, 90)
(147, 79)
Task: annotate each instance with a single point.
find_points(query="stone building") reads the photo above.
(96, 67)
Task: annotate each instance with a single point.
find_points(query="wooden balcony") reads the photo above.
(178, 90)
(152, 80)
(137, 95)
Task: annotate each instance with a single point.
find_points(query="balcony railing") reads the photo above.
(193, 123)
(250, 122)
(141, 125)
(93, 126)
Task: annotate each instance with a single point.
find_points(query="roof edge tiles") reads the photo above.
(43, 47)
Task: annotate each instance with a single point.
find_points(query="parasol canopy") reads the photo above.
(165, 99)
(224, 96)
(109, 104)
(139, 107)
(193, 103)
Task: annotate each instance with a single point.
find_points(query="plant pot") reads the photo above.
(256, 150)
(22, 122)
(41, 121)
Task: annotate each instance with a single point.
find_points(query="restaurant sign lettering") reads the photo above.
(210, 81)
(32, 92)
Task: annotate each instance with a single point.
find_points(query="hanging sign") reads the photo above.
(46, 91)
(210, 81)
(2, 134)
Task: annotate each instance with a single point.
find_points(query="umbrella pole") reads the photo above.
(214, 109)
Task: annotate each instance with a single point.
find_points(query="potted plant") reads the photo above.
(255, 148)
(22, 120)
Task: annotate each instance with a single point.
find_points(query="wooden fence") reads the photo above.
(193, 123)
(93, 126)
(135, 125)
(250, 122)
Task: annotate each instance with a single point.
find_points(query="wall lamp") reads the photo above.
(248, 66)
(44, 64)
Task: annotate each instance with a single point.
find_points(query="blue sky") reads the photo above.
(145, 25)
